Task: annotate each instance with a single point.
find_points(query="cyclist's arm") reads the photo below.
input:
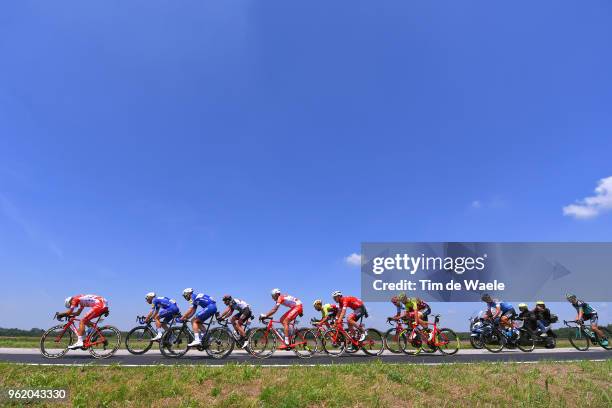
(189, 313)
(271, 312)
(341, 316)
(78, 312)
(228, 311)
(497, 311)
(580, 313)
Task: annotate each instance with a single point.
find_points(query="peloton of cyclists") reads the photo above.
(243, 314)
(98, 306)
(163, 310)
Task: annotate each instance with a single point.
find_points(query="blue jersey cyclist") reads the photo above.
(163, 310)
(498, 309)
(208, 307)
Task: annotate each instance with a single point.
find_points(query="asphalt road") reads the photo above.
(33, 356)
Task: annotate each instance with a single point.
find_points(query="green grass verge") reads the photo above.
(373, 384)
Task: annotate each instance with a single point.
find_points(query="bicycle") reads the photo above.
(392, 336)
(263, 340)
(101, 342)
(495, 338)
(581, 336)
(337, 341)
(436, 339)
(235, 335)
(217, 342)
(319, 328)
(138, 340)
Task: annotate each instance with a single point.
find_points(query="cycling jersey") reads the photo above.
(414, 304)
(201, 300)
(329, 310)
(88, 301)
(162, 302)
(238, 305)
(503, 306)
(587, 310)
(350, 301)
(288, 300)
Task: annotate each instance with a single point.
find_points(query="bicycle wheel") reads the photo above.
(105, 342)
(333, 342)
(221, 343)
(494, 341)
(447, 341)
(262, 343)
(579, 339)
(411, 342)
(374, 343)
(392, 340)
(55, 341)
(174, 342)
(305, 343)
(476, 342)
(607, 334)
(317, 345)
(138, 340)
(525, 342)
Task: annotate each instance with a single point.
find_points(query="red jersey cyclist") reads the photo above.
(98, 306)
(295, 309)
(358, 308)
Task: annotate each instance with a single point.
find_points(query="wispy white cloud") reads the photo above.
(592, 206)
(353, 259)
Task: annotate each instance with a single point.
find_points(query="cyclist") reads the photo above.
(240, 318)
(542, 315)
(163, 310)
(359, 311)
(586, 312)
(399, 308)
(328, 312)
(416, 309)
(528, 317)
(98, 306)
(498, 309)
(209, 308)
(295, 309)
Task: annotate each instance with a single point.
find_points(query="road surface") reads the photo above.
(282, 358)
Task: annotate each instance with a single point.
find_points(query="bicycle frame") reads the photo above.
(70, 324)
(292, 332)
(339, 329)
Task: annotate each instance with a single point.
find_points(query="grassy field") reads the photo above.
(358, 385)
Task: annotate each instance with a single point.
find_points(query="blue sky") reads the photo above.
(240, 146)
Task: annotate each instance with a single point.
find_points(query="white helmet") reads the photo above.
(317, 302)
(67, 302)
(149, 295)
(187, 293)
(336, 293)
(275, 291)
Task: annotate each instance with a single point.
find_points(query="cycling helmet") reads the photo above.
(149, 295)
(485, 297)
(522, 306)
(540, 303)
(67, 302)
(570, 296)
(317, 302)
(187, 293)
(336, 293)
(402, 297)
(275, 292)
(227, 298)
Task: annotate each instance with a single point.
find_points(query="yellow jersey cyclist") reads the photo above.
(328, 312)
(416, 309)
(586, 312)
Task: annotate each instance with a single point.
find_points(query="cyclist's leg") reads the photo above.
(595, 327)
